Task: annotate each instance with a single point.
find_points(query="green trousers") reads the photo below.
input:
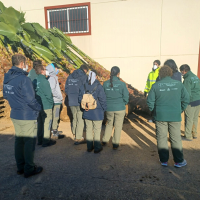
(93, 126)
(174, 129)
(44, 126)
(25, 139)
(78, 122)
(116, 118)
(191, 121)
(56, 116)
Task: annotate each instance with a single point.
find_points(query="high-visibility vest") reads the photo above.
(153, 75)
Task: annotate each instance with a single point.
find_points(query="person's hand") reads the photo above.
(145, 94)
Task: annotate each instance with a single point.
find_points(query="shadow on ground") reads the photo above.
(131, 172)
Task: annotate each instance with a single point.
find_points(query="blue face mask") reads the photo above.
(57, 71)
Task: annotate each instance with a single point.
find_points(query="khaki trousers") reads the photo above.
(25, 139)
(174, 129)
(44, 126)
(116, 117)
(191, 121)
(56, 116)
(78, 122)
(93, 126)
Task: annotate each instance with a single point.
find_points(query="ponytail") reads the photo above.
(114, 71)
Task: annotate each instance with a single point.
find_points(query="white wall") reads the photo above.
(133, 33)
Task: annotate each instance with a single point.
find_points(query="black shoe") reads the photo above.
(56, 132)
(20, 172)
(104, 143)
(115, 146)
(36, 171)
(81, 141)
(97, 151)
(194, 137)
(186, 139)
(39, 143)
(90, 150)
(50, 143)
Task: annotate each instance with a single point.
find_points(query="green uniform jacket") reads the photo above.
(116, 97)
(43, 92)
(153, 75)
(167, 99)
(32, 75)
(192, 84)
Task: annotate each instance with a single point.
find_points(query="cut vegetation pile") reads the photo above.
(35, 42)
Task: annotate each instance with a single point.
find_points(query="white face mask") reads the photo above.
(25, 68)
(155, 67)
(47, 73)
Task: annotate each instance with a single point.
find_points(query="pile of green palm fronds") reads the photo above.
(38, 43)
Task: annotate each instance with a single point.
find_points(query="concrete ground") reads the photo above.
(131, 172)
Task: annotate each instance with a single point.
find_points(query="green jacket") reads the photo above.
(32, 75)
(167, 99)
(43, 92)
(153, 75)
(192, 84)
(116, 97)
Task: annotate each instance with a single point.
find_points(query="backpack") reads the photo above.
(88, 102)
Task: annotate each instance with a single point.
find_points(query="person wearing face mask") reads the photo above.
(153, 75)
(192, 85)
(18, 90)
(117, 96)
(45, 98)
(57, 97)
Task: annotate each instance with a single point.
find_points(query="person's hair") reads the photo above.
(56, 66)
(84, 67)
(39, 68)
(114, 71)
(36, 62)
(165, 71)
(17, 59)
(171, 63)
(185, 67)
(157, 61)
(91, 77)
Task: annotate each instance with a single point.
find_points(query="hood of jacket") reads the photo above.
(51, 69)
(77, 73)
(13, 73)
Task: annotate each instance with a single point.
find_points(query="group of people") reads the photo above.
(35, 99)
(167, 98)
(111, 97)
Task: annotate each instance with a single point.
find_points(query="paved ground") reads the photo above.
(132, 172)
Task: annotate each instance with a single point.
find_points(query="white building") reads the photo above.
(130, 34)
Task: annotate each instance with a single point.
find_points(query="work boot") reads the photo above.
(36, 171)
